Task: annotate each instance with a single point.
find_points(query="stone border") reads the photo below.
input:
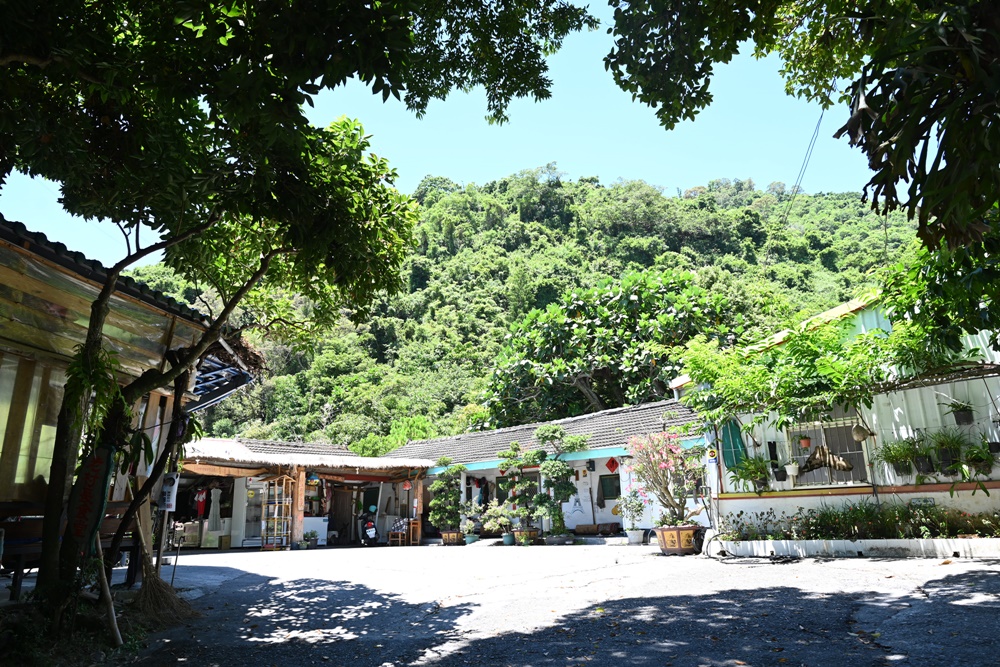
(940, 548)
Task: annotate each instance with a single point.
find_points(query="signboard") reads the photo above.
(168, 496)
(713, 455)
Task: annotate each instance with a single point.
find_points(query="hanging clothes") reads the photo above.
(600, 494)
(200, 497)
(214, 517)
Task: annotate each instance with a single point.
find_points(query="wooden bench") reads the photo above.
(22, 543)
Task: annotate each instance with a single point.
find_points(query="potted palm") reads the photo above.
(445, 506)
(673, 475)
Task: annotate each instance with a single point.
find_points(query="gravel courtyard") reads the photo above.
(577, 605)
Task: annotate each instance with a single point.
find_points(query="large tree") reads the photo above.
(186, 118)
(924, 97)
(613, 345)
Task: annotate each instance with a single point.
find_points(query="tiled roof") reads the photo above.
(610, 428)
(277, 447)
(17, 234)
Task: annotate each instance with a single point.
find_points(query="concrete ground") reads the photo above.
(577, 605)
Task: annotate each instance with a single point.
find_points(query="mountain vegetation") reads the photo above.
(478, 336)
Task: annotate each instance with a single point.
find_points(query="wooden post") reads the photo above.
(299, 503)
(418, 491)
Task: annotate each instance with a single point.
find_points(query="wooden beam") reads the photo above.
(299, 503)
(211, 470)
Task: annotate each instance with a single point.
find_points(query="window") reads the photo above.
(611, 486)
(840, 448)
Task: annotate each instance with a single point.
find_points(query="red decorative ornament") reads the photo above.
(612, 464)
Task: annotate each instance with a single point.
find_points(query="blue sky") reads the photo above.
(588, 128)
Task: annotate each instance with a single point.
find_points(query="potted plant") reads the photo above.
(791, 467)
(672, 474)
(962, 410)
(445, 506)
(557, 487)
(496, 519)
(900, 454)
(521, 489)
(949, 444)
(923, 460)
(469, 531)
(312, 537)
(805, 441)
(631, 506)
(751, 473)
(778, 471)
(979, 457)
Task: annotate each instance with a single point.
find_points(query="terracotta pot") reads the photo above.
(676, 540)
(452, 537)
(521, 533)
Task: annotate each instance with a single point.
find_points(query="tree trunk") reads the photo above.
(178, 423)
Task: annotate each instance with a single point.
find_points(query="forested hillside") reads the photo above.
(619, 273)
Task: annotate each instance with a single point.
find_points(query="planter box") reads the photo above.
(452, 537)
(940, 548)
(676, 540)
(559, 539)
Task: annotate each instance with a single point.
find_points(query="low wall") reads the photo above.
(938, 548)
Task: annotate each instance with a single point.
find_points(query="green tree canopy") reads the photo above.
(613, 345)
(923, 95)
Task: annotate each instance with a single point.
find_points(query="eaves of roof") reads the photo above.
(38, 244)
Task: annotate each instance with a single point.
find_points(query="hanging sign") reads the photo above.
(713, 456)
(168, 496)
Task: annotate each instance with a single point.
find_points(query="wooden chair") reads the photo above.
(398, 533)
(415, 532)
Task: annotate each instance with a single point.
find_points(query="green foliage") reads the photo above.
(860, 520)
(803, 373)
(556, 474)
(921, 74)
(445, 506)
(523, 492)
(496, 517)
(481, 264)
(752, 473)
(899, 452)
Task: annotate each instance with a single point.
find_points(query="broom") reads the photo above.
(157, 600)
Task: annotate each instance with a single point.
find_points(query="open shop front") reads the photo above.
(273, 495)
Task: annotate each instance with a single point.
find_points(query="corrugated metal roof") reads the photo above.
(228, 450)
(610, 428)
(37, 243)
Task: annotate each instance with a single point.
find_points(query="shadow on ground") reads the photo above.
(950, 621)
(301, 622)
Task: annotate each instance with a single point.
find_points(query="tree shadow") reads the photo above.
(303, 621)
(762, 627)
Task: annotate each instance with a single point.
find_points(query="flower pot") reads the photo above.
(451, 537)
(964, 417)
(924, 464)
(522, 534)
(760, 485)
(780, 474)
(471, 537)
(792, 469)
(946, 459)
(804, 443)
(635, 536)
(994, 447)
(508, 539)
(902, 467)
(676, 540)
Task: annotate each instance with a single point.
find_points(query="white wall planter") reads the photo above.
(941, 548)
